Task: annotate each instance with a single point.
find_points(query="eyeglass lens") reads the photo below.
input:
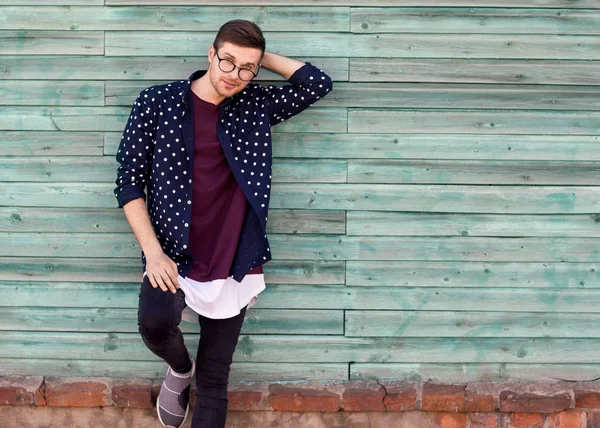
(227, 66)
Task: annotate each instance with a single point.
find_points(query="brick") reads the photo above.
(133, 393)
(293, 399)
(400, 396)
(21, 391)
(155, 390)
(526, 420)
(593, 420)
(528, 402)
(479, 402)
(569, 419)
(364, 399)
(40, 395)
(443, 398)
(77, 392)
(451, 420)
(585, 399)
(245, 400)
(485, 420)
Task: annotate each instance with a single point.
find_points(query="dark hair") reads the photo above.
(240, 32)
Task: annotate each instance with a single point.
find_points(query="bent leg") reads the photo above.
(159, 315)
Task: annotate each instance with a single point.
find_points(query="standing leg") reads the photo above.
(218, 339)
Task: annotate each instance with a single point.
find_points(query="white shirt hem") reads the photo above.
(220, 298)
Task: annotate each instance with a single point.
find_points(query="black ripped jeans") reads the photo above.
(159, 315)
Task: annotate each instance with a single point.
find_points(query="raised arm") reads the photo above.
(307, 84)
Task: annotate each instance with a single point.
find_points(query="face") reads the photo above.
(229, 84)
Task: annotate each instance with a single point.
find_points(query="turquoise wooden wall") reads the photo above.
(436, 217)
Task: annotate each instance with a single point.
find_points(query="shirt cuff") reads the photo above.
(127, 196)
(302, 73)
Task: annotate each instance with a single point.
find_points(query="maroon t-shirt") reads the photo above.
(218, 203)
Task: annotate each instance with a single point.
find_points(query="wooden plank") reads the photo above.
(29, 42)
(112, 140)
(580, 4)
(469, 324)
(14, 219)
(246, 372)
(304, 272)
(51, 143)
(196, 43)
(51, 92)
(257, 321)
(362, 197)
(478, 20)
(91, 245)
(551, 372)
(314, 119)
(64, 118)
(130, 270)
(474, 71)
(325, 297)
(473, 172)
(432, 95)
(473, 274)
(131, 68)
(330, 247)
(51, 2)
(288, 18)
(479, 122)
(438, 198)
(70, 270)
(104, 168)
(425, 146)
(465, 96)
(262, 372)
(475, 372)
(309, 171)
(70, 294)
(89, 220)
(285, 349)
(326, 247)
(186, 43)
(72, 195)
(58, 169)
(441, 224)
(306, 221)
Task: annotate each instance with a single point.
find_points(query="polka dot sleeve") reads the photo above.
(135, 151)
(307, 85)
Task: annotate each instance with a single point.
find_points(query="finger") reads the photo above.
(160, 282)
(152, 281)
(173, 275)
(165, 277)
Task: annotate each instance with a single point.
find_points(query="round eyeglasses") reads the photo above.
(227, 66)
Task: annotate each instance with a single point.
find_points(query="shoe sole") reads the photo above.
(160, 419)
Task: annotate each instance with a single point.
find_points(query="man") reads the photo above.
(202, 148)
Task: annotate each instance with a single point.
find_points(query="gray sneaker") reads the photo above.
(173, 400)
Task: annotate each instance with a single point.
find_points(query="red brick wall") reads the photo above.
(502, 405)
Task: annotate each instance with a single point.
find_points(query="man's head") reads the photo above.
(239, 46)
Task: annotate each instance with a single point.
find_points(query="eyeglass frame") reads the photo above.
(236, 66)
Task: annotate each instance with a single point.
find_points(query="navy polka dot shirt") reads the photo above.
(157, 150)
